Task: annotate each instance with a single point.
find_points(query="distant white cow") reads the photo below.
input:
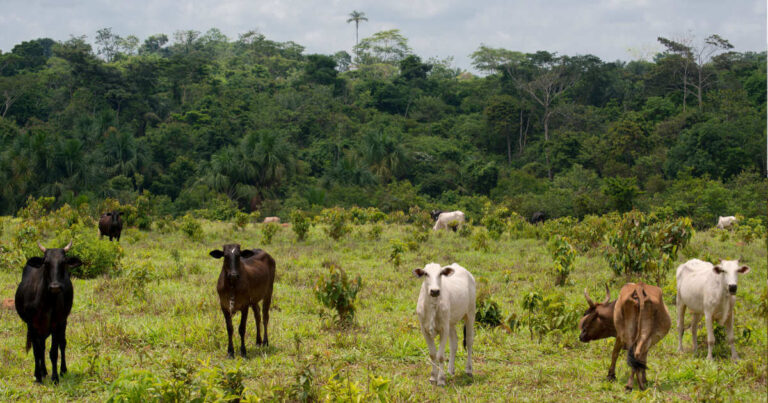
(272, 219)
(709, 290)
(726, 222)
(447, 296)
(445, 219)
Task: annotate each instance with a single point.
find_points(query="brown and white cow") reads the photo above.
(640, 320)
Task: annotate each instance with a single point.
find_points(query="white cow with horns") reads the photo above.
(445, 219)
(447, 296)
(708, 290)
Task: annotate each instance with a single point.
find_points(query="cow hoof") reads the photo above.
(55, 380)
(628, 388)
(611, 377)
(441, 382)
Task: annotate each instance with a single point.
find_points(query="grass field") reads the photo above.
(124, 338)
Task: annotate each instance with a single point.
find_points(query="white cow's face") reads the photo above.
(433, 274)
(731, 269)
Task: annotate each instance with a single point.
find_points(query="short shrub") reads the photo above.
(300, 224)
(191, 227)
(495, 220)
(139, 276)
(563, 256)
(99, 256)
(336, 221)
(335, 291)
(397, 217)
(339, 388)
(241, 220)
(144, 212)
(420, 218)
(268, 232)
(465, 230)
(374, 233)
(548, 314)
(488, 313)
(590, 231)
(416, 237)
(396, 250)
(481, 241)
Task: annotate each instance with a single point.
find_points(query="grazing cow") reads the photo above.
(447, 296)
(43, 301)
(641, 320)
(436, 213)
(597, 323)
(246, 278)
(538, 217)
(272, 219)
(726, 222)
(111, 225)
(446, 218)
(707, 290)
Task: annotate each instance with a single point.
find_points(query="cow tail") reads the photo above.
(634, 362)
(464, 342)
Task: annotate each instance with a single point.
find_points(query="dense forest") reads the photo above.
(203, 122)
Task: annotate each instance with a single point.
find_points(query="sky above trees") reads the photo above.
(609, 29)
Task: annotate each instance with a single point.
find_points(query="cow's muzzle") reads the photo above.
(732, 289)
(434, 293)
(55, 288)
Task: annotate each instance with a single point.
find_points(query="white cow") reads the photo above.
(709, 290)
(726, 222)
(272, 219)
(444, 219)
(447, 296)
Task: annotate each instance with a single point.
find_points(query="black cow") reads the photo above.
(43, 301)
(538, 217)
(111, 225)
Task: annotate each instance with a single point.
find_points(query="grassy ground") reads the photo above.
(177, 330)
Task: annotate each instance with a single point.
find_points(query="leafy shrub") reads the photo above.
(641, 244)
(365, 215)
(191, 227)
(268, 232)
(139, 276)
(420, 218)
(548, 314)
(750, 229)
(336, 222)
(416, 237)
(495, 220)
(481, 240)
(590, 232)
(335, 291)
(374, 233)
(397, 217)
(300, 224)
(144, 212)
(563, 256)
(35, 209)
(488, 313)
(241, 220)
(99, 256)
(396, 250)
(339, 388)
(465, 231)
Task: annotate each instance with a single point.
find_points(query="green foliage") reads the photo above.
(481, 241)
(336, 221)
(563, 256)
(750, 229)
(241, 220)
(300, 224)
(396, 250)
(99, 256)
(549, 314)
(268, 232)
(138, 276)
(642, 244)
(374, 232)
(335, 291)
(416, 237)
(191, 228)
(622, 191)
(339, 388)
(488, 313)
(495, 220)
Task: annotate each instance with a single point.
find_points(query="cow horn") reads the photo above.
(42, 248)
(607, 294)
(589, 300)
(69, 245)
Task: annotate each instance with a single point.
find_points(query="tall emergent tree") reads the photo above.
(356, 16)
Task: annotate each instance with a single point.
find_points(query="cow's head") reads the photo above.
(433, 276)
(55, 265)
(115, 216)
(232, 264)
(597, 322)
(435, 214)
(730, 269)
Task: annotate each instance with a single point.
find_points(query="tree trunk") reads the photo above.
(685, 87)
(509, 147)
(698, 93)
(546, 143)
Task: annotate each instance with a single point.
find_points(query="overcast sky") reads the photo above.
(609, 29)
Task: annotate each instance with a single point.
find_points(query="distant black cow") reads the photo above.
(111, 225)
(538, 217)
(43, 301)
(435, 214)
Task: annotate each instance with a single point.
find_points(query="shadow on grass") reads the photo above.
(463, 379)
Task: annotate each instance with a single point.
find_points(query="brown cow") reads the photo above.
(638, 319)
(246, 278)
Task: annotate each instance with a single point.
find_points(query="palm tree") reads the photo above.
(356, 16)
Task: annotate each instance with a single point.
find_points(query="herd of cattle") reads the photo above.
(638, 318)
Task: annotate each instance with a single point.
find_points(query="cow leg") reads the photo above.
(631, 381)
(454, 339)
(695, 318)
(680, 323)
(729, 333)
(63, 346)
(432, 355)
(614, 356)
(710, 333)
(54, 356)
(441, 355)
(38, 348)
(228, 321)
(469, 339)
(257, 314)
(265, 312)
(243, 322)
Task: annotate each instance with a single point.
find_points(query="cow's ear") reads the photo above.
(247, 254)
(717, 269)
(447, 271)
(74, 262)
(36, 262)
(418, 272)
(744, 269)
(216, 254)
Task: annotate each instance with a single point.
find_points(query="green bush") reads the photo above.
(335, 291)
(374, 233)
(563, 256)
(336, 221)
(191, 228)
(481, 240)
(99, 256)
(495, 220)
(396, 250)
(416, 237)
(241, 220)
(488, 313)
(300, 224)
(420, 218)
(548, 314)
(268, 232)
